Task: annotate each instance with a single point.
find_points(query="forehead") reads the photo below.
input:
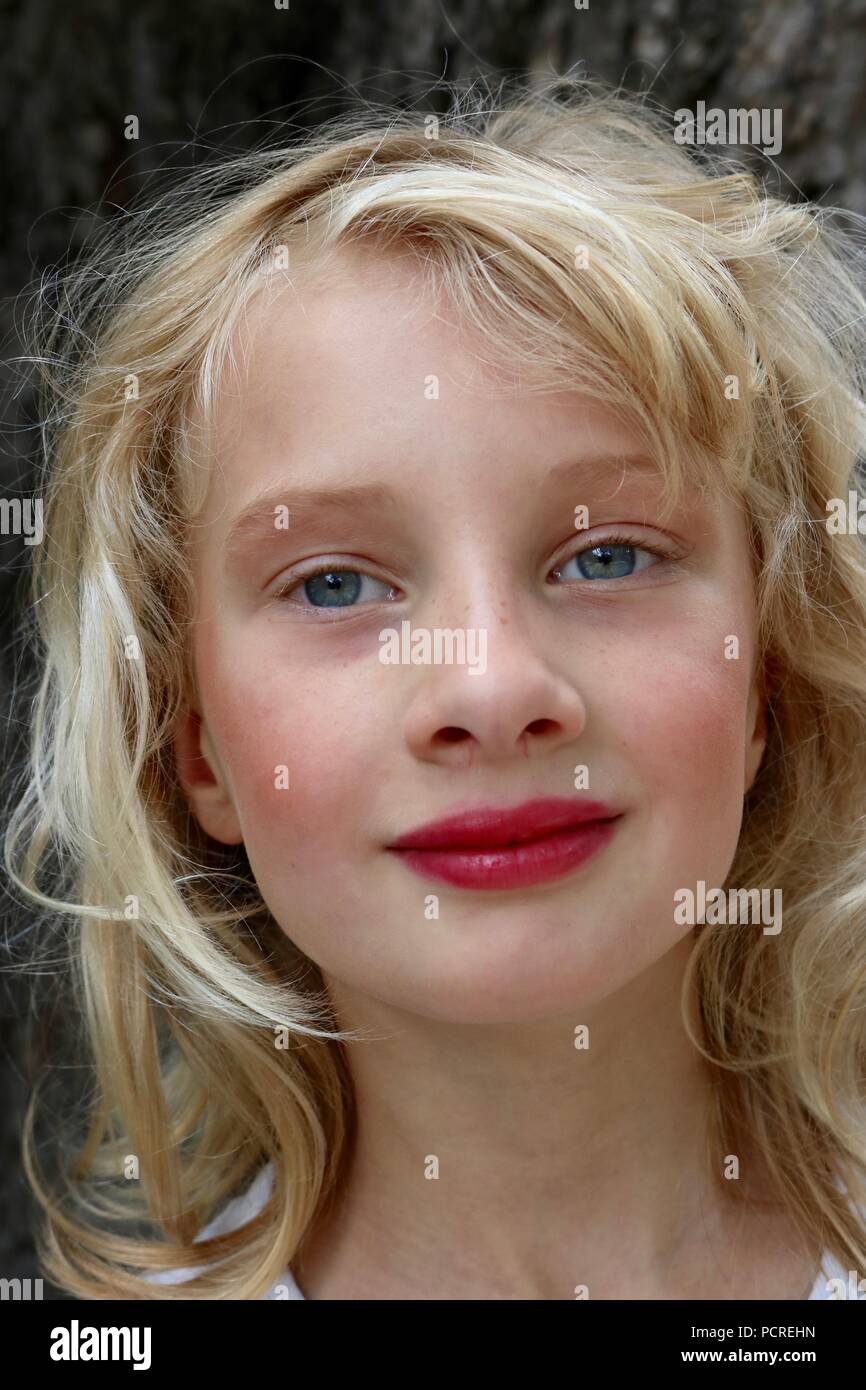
(358, 372)
(366, 346)
(363, 324)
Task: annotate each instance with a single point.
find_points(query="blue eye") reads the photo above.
(613, 558)
(332, 588)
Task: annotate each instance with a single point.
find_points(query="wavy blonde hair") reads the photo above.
(588, 248)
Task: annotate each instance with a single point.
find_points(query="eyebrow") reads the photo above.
(256, 521)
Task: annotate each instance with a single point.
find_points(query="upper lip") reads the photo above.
(486, 826)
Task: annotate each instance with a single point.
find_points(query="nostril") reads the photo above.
(540, 726)
(452, 734)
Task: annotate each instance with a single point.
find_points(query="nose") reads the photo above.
(520, 705)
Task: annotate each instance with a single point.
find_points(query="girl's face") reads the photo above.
(368, 443)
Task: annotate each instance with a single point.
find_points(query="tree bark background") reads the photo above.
(220, 72)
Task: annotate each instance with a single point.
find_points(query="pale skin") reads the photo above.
(558, 1167)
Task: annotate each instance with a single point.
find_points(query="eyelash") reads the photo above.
(282, 594)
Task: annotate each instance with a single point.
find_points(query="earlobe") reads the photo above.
(202, 780)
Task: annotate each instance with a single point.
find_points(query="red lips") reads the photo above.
(495, 848)
(488, 826)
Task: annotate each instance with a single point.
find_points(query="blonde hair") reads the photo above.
(566, 224)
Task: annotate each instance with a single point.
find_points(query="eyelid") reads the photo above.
(625, 534)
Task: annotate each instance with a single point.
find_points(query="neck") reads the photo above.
(505, 1159)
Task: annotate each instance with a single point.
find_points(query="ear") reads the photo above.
(757, 733)
(203, 780)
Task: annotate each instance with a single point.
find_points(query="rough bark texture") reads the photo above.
(71, 74)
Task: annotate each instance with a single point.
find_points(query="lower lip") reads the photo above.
(513, 866)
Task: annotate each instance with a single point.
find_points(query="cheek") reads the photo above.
(687, 722)
(302, 757)
(678, 728)
(675, 702)
(682, 730)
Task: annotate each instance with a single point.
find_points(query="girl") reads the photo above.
(447, 785)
